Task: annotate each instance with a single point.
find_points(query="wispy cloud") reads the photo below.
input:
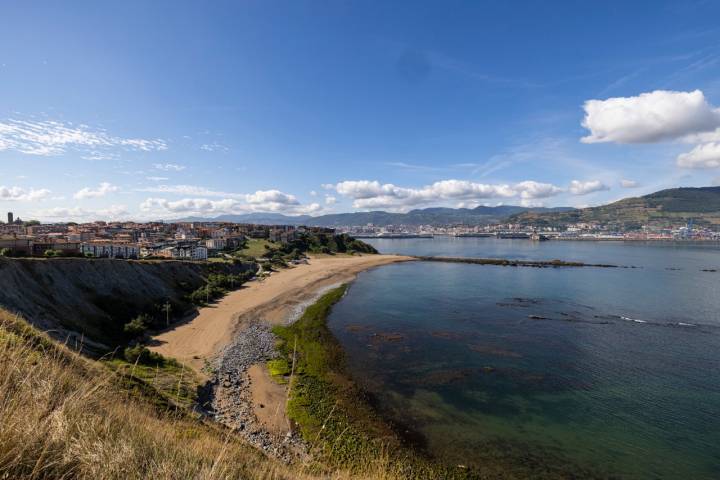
(214, 147)
(49, 138)
(169, 167)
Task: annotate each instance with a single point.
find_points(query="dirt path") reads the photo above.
(270, 300)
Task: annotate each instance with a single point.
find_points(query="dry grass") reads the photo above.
(63, 416)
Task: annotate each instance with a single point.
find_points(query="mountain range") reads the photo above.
(427, 216)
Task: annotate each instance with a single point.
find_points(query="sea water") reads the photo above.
(613, 372)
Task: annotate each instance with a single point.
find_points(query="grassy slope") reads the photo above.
(64, 416)
(256, 247)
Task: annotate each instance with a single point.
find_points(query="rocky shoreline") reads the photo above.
(231, 399)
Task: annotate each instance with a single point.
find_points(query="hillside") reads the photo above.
(427, 216)
(65, 416)
(89, 300)
(671, 207)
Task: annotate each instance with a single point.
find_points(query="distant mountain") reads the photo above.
(673, 206)
(427, 216)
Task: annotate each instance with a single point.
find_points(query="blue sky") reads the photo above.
(167, 109)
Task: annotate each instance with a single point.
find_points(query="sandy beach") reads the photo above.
(270, 300)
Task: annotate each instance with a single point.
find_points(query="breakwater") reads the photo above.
(504, 262)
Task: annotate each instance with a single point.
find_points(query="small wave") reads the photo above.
(637, 320)
(683, 324)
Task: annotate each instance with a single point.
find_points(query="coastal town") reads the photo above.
(577, 231)
(203, 240)
(131, 240)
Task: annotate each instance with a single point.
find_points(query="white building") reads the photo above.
(216, 244)
(110, 250)
(185, 252)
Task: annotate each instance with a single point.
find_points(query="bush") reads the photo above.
(137, 325)
(141, 354)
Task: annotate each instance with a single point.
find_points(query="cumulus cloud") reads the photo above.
(169, 167)
(103, 189)
(263, 197)
(529, 190)
(19, 194)
(330, 200)
(48, 138)
(649, 117)
(368, 194)
(624, 183)
(702, 156)
(583, 188)
(260, 201)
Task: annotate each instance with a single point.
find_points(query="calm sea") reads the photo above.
(527, 370)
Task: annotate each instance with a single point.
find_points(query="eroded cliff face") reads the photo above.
(89, 300)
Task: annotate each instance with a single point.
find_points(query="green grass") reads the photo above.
(172, 380)
(328, 408)
(255, 247)
(279, 368)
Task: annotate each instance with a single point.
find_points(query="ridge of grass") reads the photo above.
(332, 413)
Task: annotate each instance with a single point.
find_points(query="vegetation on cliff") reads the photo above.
(91, 301)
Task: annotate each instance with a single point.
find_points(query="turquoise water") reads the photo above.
(612, 371)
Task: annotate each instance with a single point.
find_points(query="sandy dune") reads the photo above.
(272, 299)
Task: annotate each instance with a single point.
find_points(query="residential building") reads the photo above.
(110, 250)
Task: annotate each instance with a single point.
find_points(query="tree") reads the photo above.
(137, 325)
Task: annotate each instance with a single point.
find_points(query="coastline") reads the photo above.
(230, 342)
(272, 300)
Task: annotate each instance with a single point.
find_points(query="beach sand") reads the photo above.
(271, 300)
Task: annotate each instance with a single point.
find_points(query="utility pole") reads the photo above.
(167, 308)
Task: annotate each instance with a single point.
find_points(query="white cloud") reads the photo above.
(649, 117)
(702, 156)
(372, 194)
(169, 167)
(265, 197)
(103, 189)
(18, 194)
(531, 190)
(260, 201)
(313, 193)
(114, 212)
(702, 137)
(157, 179)
(187, 190)
(214, 147)
(56, 138)
(330, 200)
(624, 183)
(583, 188)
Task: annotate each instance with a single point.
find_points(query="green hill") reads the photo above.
(671, 207)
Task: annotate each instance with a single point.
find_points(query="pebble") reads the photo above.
(231, 399)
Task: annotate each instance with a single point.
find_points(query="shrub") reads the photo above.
(141, 354)
(137, 325)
